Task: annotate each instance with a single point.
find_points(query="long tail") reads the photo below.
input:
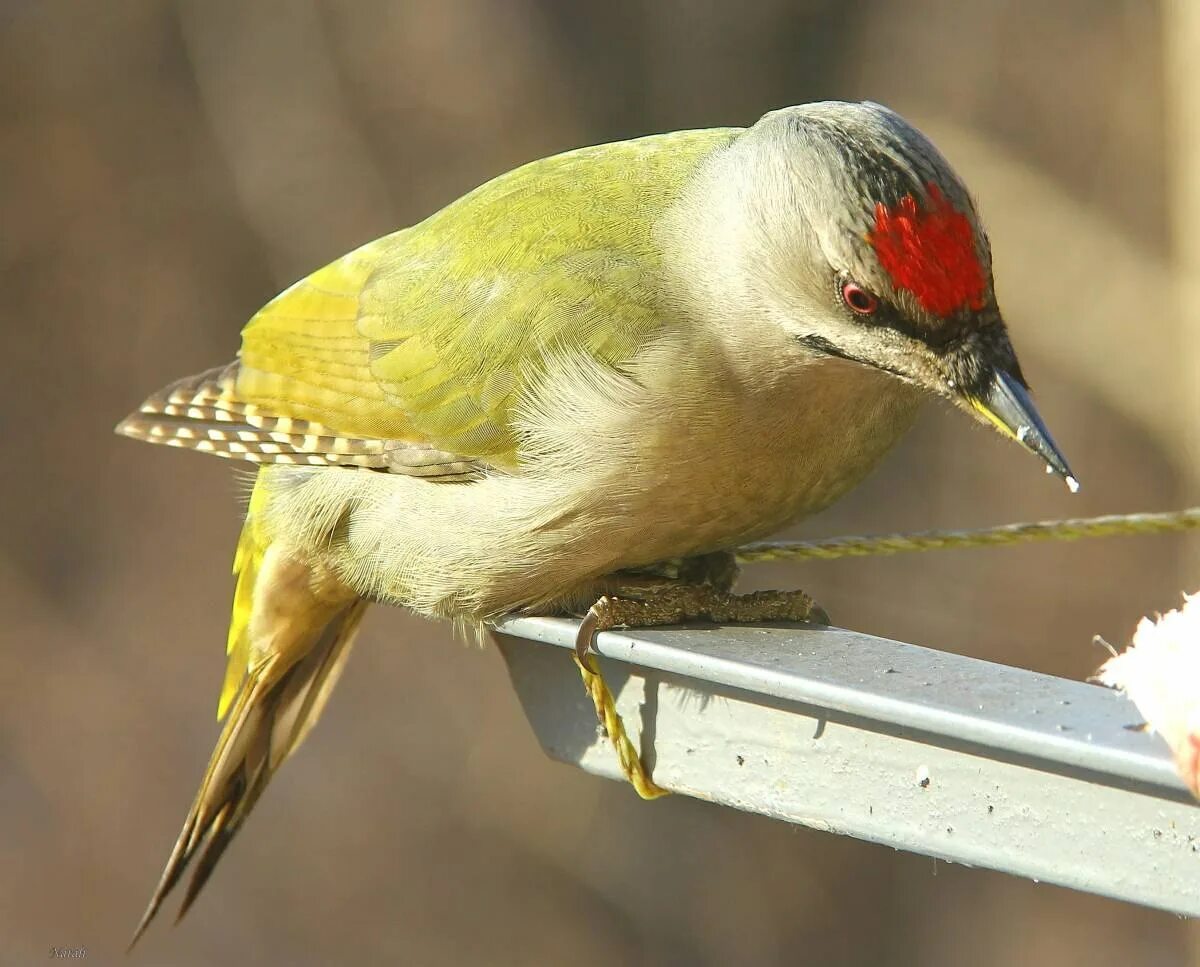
(291, 631)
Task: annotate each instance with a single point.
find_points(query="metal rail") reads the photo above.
(953, 757)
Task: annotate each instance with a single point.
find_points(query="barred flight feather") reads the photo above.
(204, 413)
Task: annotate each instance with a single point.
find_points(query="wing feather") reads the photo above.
(429, 339)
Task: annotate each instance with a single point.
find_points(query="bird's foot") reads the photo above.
(659, 601)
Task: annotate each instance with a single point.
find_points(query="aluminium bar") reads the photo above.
(953, 757)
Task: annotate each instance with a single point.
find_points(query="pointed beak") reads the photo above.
(1006, 404)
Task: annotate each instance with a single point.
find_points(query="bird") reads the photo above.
(627, 354)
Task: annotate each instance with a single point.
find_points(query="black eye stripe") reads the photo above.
(886, 316)
(822, 345)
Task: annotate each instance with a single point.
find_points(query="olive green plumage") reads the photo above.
(433, 333)
(599, 361)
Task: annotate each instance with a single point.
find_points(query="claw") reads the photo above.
(586, 634)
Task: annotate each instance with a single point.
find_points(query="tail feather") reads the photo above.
(205, 413)
(296, 634)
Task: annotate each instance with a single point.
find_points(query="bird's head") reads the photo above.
(852, 233)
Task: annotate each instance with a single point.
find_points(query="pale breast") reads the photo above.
(679, 456)
(720, 461)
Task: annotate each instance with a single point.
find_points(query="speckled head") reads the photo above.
(856, 237)
(887, 211)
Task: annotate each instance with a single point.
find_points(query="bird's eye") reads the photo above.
(858, 299)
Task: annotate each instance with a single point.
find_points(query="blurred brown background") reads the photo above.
(167, 167)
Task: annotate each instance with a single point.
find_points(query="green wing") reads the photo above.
(431, 335)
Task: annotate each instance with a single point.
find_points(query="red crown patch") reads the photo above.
(930, 253)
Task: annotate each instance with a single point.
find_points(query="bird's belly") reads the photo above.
(635, 486)
(698, 485)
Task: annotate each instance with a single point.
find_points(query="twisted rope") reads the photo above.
(610, 718)
(1114, 525)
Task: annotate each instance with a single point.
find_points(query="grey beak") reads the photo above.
(1006, 404)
